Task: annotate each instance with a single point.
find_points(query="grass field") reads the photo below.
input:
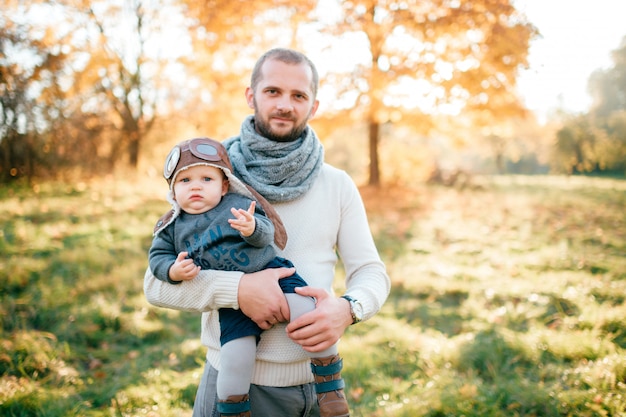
(508, 299)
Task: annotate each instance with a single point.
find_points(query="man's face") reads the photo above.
(283, 101)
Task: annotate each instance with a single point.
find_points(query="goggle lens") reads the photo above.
(204, 151)
(170, 162)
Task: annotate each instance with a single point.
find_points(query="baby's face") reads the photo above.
(200, 188)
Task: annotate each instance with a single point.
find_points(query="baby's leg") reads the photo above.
(237, 364)
(326, 366)
(298, 305)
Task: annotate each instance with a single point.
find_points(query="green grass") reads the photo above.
(508, 299)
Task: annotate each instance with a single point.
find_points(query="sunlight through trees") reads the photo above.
(94, 86)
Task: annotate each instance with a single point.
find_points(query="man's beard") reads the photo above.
(266, 130)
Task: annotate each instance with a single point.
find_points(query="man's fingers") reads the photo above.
(315, 292)
(285, 272)
(261, 298)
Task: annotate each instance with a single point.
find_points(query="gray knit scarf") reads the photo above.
(279, 171)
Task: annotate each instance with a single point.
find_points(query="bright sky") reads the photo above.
(577, 39)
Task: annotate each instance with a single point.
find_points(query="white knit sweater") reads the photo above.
(328, 219)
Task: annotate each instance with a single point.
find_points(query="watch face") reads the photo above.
(358, 311)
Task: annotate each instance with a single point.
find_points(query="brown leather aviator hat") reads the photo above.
(209, 152)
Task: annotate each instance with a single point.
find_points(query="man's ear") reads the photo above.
(250, 97)
(316, 104)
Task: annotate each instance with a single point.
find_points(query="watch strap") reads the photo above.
(352, 301)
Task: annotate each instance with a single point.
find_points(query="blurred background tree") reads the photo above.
(227, 38)
(430, 57)
(596, 142)
(91, 87)
(30, 100)
(90, 76)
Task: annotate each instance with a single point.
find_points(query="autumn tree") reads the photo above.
(85, 81)
(608, 87)
(120, 78)
(228, 37)
(574, 148)
(425, 56)
(29, 65)
(13, 103)
(596, 141)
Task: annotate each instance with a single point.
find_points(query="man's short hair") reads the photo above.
(288, 56)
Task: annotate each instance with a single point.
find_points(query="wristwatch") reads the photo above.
(356, 309)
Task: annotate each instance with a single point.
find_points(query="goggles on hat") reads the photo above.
(193, 151)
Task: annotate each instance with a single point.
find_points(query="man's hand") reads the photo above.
(183, 269)
(261, 298)
(322, 327)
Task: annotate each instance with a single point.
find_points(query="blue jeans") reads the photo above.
(296, 401)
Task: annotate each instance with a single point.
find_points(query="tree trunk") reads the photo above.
(374, 134)
(133, 150)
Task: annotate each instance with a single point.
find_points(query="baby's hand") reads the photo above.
(183, 269)
(244, 220)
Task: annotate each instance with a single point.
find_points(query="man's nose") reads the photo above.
(284, 105)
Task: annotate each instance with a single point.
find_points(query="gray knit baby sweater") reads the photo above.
(212, 243)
